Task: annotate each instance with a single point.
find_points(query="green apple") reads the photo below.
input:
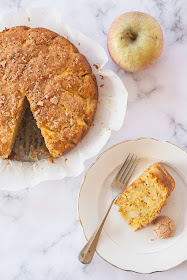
(135, 41)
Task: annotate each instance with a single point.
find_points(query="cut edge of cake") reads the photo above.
(6, 148)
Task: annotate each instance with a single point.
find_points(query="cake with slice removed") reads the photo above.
(40, 66)
(142, 201)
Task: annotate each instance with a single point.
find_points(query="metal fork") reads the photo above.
(118, 186)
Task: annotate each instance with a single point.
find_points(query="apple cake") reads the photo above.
(142, 201)
(46, 69)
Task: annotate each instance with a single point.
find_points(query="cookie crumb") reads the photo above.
(102, 77)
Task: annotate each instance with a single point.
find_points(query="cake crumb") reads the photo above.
(13, 155)
(65, 159)
(102, 85)
(79, 44)
(96, 66)
(102, 77)
(29, 19)
(51, 159)
(32, 156)
(152, 239)
(36, 164)
(8, 163)
(16, 156)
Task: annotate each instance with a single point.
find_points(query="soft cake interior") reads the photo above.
(141, 202)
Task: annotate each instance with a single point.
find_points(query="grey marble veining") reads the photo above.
(40, 232)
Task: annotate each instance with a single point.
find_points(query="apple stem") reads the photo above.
(130, 35)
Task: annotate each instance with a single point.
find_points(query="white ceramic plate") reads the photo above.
(138, 251)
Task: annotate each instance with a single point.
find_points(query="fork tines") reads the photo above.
(127, 169)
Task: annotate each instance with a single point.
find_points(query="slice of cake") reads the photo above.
(142, 201)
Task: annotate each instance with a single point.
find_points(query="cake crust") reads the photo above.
(163, 176)
(57, 80)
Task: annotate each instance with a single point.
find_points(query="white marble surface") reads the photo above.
(40, 232)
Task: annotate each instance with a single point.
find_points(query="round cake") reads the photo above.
(46, 69)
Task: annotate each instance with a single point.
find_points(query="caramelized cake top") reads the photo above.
(57, 80)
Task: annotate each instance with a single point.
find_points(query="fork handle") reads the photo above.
(87, 252)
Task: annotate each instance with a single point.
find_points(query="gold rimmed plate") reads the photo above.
(138, 251)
